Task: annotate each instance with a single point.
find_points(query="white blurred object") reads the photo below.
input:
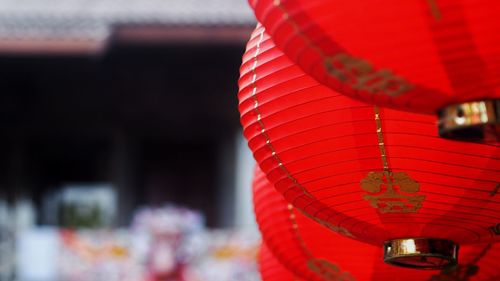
(227, 256)
(96, 255)
(168, 219)
(13, 220)
(4, 212)
(244, 214)
(6, 243)
(49, 254)
(37, 254)
(24, 214)
(86, 26)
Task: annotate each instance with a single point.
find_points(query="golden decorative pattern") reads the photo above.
(328, 271)
(390, 192)
(259, 118)
(287, 173)
(380, 138)
(356, 72)
(268, 139)
(433, 6)
(362, 76)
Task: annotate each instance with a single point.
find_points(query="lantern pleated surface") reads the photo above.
(271, 269)
(312, 252)
(418, 56)
(369, 173)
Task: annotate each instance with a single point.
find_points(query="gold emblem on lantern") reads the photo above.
(436, 13)
(354, 71)
(328, 271)
(391, 192)
(361, 75)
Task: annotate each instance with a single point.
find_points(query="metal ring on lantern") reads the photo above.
(421, 253)
(477, 120)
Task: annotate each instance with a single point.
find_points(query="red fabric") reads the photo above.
(271, 269)
(297, 240)
(317, 146)
(440, 51)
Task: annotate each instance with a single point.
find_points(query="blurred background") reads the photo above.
(121, 152)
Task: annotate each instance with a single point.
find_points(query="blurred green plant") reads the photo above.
(75, 216)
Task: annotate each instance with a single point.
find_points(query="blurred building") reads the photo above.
(139, 95)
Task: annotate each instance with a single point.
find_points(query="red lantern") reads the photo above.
(314, 253)
(376, 175)
(271, 269)
(421, 56)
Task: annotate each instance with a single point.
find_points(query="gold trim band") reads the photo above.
(421, 253)
(476, 120)
(380, 137)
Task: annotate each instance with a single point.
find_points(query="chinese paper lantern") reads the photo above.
(271, 269)
(377, 175)
(424, 56)
(312, 252)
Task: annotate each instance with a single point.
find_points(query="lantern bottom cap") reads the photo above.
(472, 121)
(421, 253)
